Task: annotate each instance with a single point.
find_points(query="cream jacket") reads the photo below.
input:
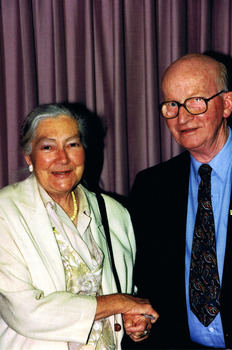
(36, 312)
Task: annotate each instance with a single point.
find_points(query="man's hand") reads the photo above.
(137, 326)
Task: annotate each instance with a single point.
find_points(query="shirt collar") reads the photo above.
(83, 203)
(45, 196)
(223, 157)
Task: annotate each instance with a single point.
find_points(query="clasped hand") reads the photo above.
(138, 326)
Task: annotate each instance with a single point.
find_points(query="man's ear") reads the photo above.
(227, 97)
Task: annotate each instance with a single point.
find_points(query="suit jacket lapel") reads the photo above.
(226, 293)
(180, 202)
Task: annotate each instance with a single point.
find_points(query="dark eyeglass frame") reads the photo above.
(206, 100)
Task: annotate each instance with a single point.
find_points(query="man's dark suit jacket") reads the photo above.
(158, 206)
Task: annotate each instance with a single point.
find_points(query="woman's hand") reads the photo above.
(112, 304)
(138, 306)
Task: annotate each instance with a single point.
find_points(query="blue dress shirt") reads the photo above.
(221, 179)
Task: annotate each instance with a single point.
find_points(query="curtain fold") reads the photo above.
(50, 50)
(18, 91)
(108, 55)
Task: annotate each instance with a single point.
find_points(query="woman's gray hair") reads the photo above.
(52, 110)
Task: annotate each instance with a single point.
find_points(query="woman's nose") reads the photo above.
(62, 156)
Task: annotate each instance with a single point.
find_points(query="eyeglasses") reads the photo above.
(194, 105)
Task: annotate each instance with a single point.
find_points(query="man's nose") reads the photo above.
(184, 116)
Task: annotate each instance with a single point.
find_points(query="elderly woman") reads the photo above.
(57, 288)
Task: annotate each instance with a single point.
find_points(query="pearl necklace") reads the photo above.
(75, 206)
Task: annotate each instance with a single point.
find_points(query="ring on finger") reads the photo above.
(144, 334)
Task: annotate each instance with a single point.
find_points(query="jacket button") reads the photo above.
(117, 327)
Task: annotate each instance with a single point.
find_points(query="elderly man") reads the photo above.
(181, 212)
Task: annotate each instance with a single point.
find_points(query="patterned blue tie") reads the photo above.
(204, 285)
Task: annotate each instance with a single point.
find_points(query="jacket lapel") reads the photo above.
(40, 229)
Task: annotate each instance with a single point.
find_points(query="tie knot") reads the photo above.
(205, 172)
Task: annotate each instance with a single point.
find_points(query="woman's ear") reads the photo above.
(29, 163)
(227, 97)
(27, 159)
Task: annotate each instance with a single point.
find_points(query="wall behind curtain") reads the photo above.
(108, 55)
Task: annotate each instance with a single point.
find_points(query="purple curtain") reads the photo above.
(108, 55)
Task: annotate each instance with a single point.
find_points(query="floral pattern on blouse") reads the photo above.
(80, 279)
